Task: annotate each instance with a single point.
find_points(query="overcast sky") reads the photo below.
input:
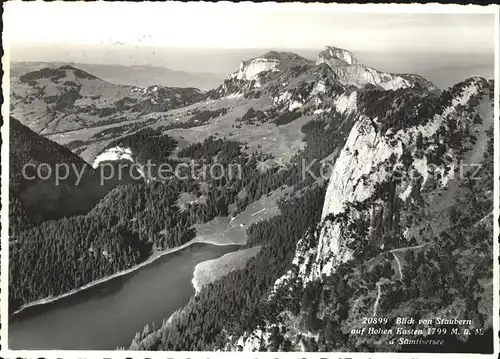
(243, 26)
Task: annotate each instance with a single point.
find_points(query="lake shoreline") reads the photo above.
(222, 266)
(155, 256)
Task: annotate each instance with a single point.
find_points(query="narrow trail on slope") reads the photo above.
(262, 210)
(399, 266)
(379, 289)
(403, 249)
(355, 306)
(484, 218)
(375, 306)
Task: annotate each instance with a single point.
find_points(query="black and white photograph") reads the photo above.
(245, 177)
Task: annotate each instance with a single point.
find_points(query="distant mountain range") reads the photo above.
(135, 75)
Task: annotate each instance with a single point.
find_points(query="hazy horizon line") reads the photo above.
(443, 68)
(118, 45)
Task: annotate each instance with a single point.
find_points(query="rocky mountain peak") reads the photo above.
(349, 71)
(334, 54)
(377, 148)
(260, 74)
(273, 61)
(286, 58)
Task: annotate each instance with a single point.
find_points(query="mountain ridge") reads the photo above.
(355, 209)
(345, 68)
(386, 213)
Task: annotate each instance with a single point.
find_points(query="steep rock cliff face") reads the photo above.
(391, 213)
(370, 158)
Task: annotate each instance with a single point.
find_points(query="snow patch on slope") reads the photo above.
(345, 103)
(113, 154)
(283, 97)
(406, 193)
(294, 105)
(234, 96)
(362, 164)
(254, 341)
(319, 88)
